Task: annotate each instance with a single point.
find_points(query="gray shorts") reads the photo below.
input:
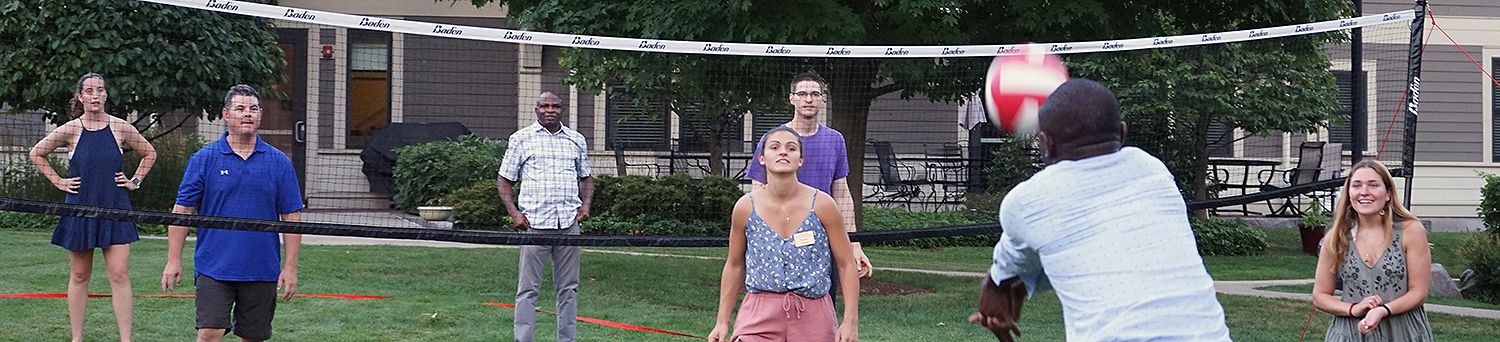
(253, 304)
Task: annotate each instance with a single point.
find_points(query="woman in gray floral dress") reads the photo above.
(1379, 250)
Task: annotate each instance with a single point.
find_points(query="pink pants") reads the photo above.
(770, 316)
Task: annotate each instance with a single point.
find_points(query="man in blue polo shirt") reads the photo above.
(237, 272)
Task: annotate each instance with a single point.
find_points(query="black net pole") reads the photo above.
(1413, 91)
(1358, 135)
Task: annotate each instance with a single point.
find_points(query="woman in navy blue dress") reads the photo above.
(95, 177)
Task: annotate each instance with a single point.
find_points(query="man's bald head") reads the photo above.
(1079, 113)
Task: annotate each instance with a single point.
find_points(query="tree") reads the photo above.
(1155, 87)
(157, 58)
(711, 93)
(1171, 96)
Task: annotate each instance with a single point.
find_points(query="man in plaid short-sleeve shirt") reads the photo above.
(551, 162)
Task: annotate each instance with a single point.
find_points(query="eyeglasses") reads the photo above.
(805, 94)
(549, 105)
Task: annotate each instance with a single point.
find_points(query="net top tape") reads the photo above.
(765, 49)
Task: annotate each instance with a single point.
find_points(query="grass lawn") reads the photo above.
(436, 295)
(1430, 299)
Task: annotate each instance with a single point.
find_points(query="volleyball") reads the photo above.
(1015, 87)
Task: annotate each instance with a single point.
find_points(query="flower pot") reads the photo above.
(1311, 237)
(435, 213)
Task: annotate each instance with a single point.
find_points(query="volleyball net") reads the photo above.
(387, 118)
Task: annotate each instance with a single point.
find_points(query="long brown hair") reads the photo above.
(1337, 238)
(77, 109)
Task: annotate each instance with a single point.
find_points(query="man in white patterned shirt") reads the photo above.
(1105, 227)
(551, 162)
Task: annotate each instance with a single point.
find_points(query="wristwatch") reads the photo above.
(136, 181)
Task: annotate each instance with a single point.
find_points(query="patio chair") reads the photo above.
(945, 166)
(1312, 159)
(890, 186)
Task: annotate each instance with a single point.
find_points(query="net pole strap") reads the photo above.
(1413, 93)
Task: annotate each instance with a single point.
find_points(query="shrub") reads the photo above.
(17, 221)
(1482, 252)
(427, 172)
(1013, 160)
(675, 197)
(20, 180)
(648, 225)
(478, 206)
(670, 205)
(1228, 237)
(1489, 203)
(158, 190)
(879, 219)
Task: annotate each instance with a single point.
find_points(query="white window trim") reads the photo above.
(1487, 111)
(1371, 66)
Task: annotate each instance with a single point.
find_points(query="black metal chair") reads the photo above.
(890, 186)
(946, 168)
(1309, 168)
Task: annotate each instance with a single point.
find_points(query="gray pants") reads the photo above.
(564, 278)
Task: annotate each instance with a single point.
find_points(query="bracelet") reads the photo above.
(1387, 310)
(1351, 309)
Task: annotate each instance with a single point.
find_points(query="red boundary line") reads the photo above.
(611, 324)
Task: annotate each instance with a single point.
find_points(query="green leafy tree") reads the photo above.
(1171, 96)
(157, 58)
(711, 93)
(1255, 89)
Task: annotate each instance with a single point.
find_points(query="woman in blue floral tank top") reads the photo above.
(780, 252)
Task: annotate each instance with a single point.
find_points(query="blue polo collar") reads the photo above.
(223, 144)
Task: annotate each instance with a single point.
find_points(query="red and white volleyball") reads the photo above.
(1016, 86)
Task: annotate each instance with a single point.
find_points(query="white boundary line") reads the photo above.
(758, 49)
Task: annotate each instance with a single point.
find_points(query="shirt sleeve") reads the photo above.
(190, 191)
(1014, 256)
(583, 158)
(288, 192)
(756, 172)
(510, 166)
(841, 165)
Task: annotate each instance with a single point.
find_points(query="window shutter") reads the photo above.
(632, 126)
(1339, 132)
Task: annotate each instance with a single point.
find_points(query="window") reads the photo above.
(369, 97)
(635, 126)
(760, 123)
(1494, 113)
(1339, 132)
(694, 130)
(1220, 140)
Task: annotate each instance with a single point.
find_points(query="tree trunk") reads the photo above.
(851, 88)
(1200, 164)
(716, 153)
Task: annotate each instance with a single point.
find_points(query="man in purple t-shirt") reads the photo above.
(825, 160)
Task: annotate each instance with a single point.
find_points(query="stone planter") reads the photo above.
(435, 213)
(1311, 237)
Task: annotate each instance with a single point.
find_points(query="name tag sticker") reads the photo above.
(802, 239)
